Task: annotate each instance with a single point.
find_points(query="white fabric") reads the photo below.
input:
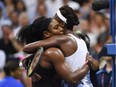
(77, 60)
(52, 7)
(2, 59)
(31, 6)
(74, 5)
(80, 54)
(61, 16)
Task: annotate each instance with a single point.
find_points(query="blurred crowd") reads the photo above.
(15, 14)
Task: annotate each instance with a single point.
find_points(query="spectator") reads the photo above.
(14, 18)
(100, 24)
(103, 76)
(23, 21)
(95, 24)
(3, 19)
(12, 72)
(41, 10)
(20, 6)
(8, 44)
(85, 9)
(3, 8)
(10, 6)
(53, 6)
(31, 8)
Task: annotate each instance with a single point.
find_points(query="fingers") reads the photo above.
(94, 63)
(89, 57)
(36, 77)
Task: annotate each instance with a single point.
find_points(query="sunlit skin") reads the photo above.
(63, 42)
(54, 56)
(54, 28)
(64, 47)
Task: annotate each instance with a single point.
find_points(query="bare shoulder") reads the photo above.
(53, 51)
(53, 54)
(60, 38)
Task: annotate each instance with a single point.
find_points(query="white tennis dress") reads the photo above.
(76, 61)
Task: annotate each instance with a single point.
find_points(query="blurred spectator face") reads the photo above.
(6, 32)
(99, 19)
(108, 59)
(23, 19)
(20, 6)
(17, 73)
(9, 6)
(14, 17)
(12, 68)
(85, 25)
(8, 2)
(42, 10)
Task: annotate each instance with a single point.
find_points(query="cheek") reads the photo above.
(57, 32)
(53, 34)
(18, 73)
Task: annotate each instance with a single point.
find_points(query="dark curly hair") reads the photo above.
(11, 66)
(34, 31)
(70, 15)
(85, 37)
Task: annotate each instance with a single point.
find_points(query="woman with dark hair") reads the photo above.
(76, 56)
(20, 6)
(53, 59)
(13, 72)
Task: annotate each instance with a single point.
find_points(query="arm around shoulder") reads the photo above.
(56, 57)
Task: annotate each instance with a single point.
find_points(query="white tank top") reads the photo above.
(80, 53)
(77, 60)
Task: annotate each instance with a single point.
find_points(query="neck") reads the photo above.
(68, 31)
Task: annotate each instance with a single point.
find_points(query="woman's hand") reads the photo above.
(94, 63)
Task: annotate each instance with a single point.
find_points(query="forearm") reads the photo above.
(16, 45)
(32, 47)
(79, 74)
(54, 41)
(95, 64)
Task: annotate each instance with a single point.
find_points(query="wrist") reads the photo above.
(89, 64)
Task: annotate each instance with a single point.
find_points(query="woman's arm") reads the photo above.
(55, 56)
(53, 41)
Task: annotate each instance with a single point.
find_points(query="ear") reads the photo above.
(46, 34)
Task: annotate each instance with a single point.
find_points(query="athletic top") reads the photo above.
(47, 79)
(75, 63)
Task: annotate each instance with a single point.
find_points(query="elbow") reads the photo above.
(25, 49)
(74, 81)
(77, 78)
(29, 50)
